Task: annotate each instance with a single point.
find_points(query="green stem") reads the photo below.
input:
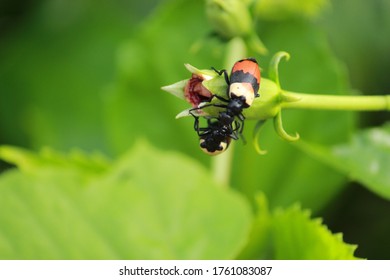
(335, 102)
(221, 165)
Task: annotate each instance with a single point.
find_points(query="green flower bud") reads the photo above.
(229, 18)
(200, 88)
(267, 105)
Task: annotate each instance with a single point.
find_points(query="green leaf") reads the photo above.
(146, 205)
(366, 159)
(297, 237)
(259, 244)
(291, 234)
(76, 159)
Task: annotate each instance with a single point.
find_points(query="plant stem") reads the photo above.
(336, 102)
(221, 165)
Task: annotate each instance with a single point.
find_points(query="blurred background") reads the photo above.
(87, 74)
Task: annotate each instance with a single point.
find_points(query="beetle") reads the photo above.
(216, 137)
(243, 88)
(244, 82)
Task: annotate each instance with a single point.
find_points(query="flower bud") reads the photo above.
(229, 18)
(195, 93)
(200, 88)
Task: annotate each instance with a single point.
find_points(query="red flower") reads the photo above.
(194, 91)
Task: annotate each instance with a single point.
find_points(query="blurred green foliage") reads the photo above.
(77, 207)
(365, 159)
(80, 207)
(87, 74)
